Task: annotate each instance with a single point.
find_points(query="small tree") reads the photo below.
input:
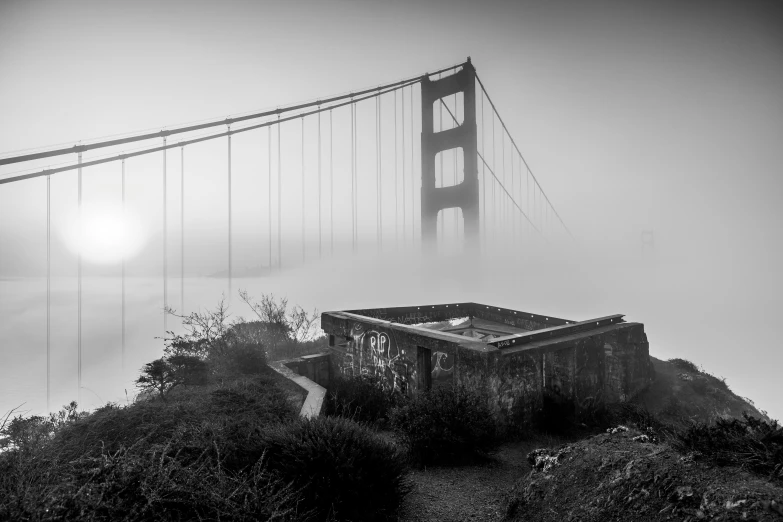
(158, 375)
(280, 326)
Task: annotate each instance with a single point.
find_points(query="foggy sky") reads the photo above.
(645, 115)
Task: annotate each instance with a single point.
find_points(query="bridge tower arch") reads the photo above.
(464, 195)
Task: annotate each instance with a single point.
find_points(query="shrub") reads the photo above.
(685, 365)
(446, 426)
(361, 399)
(750, 443)
(156, 483)
(344, 470)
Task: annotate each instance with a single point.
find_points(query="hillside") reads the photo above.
(618, 476)
(682, 393)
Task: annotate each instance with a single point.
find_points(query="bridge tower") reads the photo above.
(464, 195)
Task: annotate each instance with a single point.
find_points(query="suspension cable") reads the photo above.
(229, 213)
(331, 186)
(217, 123)
(181, 228)
(441, 213)
(404, 194)
(303, 191)
(396, 179)
(494, 166)
(193, 141)
(319, 184)
(279, 199)
(353, 179)
(380, 168)
(165, 248)
(413, 179)
(454, 212)
(513, 192)
(484, 90)
(124, 220)
(269, 193)
(79, 277)
(486, 165)
(48, 288)
(483, 177)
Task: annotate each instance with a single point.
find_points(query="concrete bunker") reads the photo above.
(522, 361)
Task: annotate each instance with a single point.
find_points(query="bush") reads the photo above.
(685, 365)
(446, 426)
(361, 399)
(158, 483)
(344, 470)
(749, 443)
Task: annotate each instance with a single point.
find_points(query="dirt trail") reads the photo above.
(467, 492)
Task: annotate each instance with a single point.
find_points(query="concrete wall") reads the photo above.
(583, 371)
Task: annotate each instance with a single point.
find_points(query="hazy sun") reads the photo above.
(106, 235)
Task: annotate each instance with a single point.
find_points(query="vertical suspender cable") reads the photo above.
(513, 197)
(182, 229)
(165, 249)
(456, 117)
(494, 180)
(279, 195)
(379, 230)
(48, 287)
(505, 206)
(79, 282)
(303, 190)
(483, 178)
(331, 185)
(269, 193)
(413, 180)
(356, 176)
(229, 212)
(353, 179)
(404, 210)
(319, 181)
(441, 213)
(396, 179)
(124, 218)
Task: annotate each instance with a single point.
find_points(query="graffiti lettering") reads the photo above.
(375, 354)
(441, 366)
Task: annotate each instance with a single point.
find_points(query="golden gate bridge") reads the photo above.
(471, 182)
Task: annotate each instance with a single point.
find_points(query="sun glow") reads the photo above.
(106, 235)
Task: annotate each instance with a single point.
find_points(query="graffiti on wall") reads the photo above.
(376, 354)
(442, 366)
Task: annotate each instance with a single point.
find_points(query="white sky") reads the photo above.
(643, 115)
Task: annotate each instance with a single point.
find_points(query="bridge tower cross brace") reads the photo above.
(464, 195)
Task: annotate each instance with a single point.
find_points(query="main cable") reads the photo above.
(484, 90)
(217, 123)
(485, 164)
(193, 141)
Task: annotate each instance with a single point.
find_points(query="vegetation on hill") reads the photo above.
(216, 435)
(212, 437)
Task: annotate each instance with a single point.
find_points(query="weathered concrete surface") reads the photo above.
(585, 370)
(313, 404)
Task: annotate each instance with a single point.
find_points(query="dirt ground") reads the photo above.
(468, 493)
